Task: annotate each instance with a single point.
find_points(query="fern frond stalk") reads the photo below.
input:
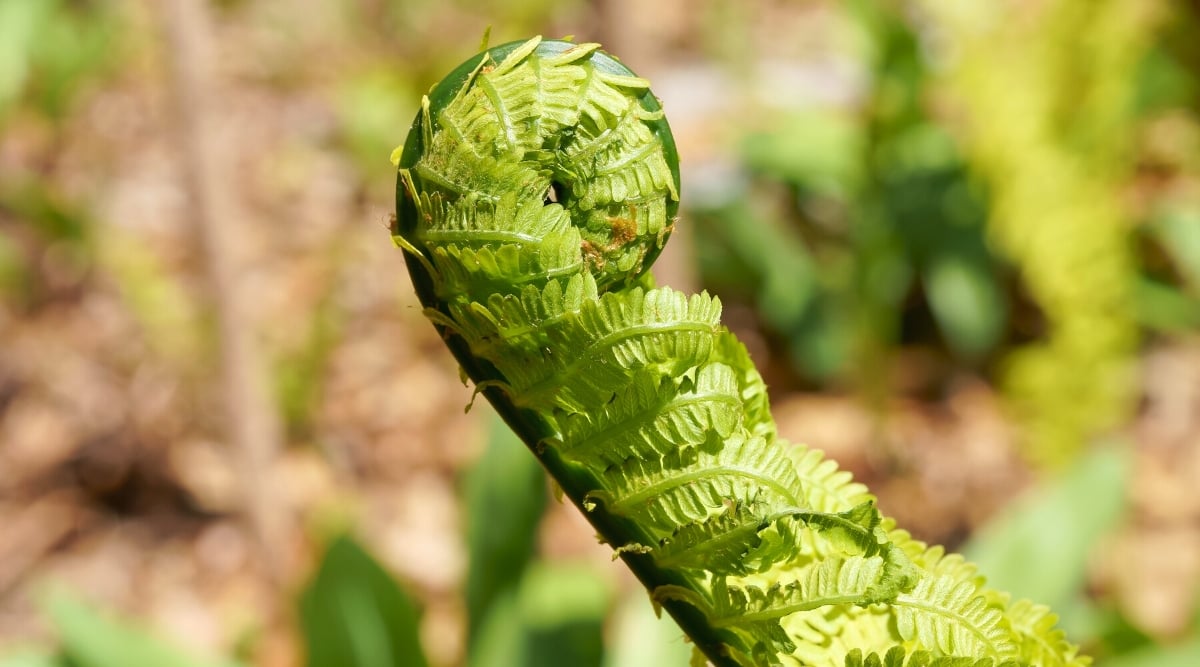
(537, 185)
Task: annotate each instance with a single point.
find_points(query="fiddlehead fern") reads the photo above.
(538, 183)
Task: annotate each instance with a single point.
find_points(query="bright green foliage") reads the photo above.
(537, 184)
(896, 657)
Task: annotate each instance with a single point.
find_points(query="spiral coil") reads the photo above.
(538, 184)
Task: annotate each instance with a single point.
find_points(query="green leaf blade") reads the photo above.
(353, 614)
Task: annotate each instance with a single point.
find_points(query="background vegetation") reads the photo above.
(961, 239)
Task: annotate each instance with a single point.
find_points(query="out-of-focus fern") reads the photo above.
(537, 185)
(1047, 99)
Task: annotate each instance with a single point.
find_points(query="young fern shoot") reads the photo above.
(537, 185)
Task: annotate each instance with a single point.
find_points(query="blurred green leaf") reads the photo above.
(1039, 548)
(639, 639)
(556, 617)
(1164, 307)
(1164, 81)
(353, 614)
(505, 497)
(800, 294)
(822, 341)
(90, 639)
(499, 638)
(564, 605)
(745, 244)
(1102, 628)
(19, 24)
(922, 146)
(30, 658)
(1182, 655)
(966, 301)
(77, 43)
(1179, 233)
(48, 46)
(820, 151)
(37, 203)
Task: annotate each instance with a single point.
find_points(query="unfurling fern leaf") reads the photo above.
(895, 657)
(1039, 641)
(537, 185)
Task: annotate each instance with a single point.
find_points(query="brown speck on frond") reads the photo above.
(624, 229)
(591, 254)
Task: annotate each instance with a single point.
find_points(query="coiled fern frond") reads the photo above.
(537, 185)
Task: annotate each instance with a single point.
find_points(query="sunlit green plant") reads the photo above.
(537, 185)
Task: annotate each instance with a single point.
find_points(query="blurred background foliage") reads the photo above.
(961, 239)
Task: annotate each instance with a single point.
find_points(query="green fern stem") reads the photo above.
(537, 185)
